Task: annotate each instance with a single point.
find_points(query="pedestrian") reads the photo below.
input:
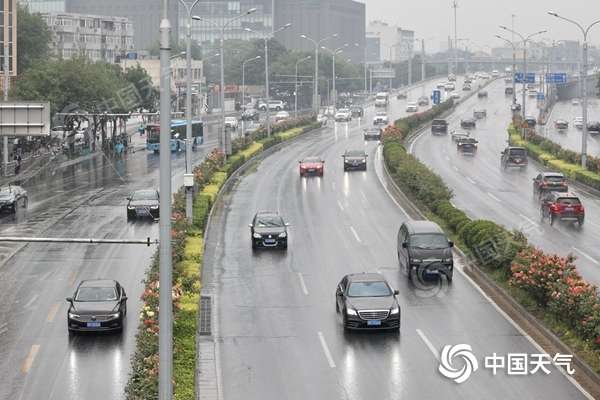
(18, 164)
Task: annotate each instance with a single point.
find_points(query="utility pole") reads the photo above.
(296, 85)
(165, 316)
(6, 85)
(317, 44)
(455, 6)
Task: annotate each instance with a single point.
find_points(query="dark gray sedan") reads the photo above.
(97, 305)
(143, 204)
(355, 159)
(268, 230)
(12, 197)
(366, 301)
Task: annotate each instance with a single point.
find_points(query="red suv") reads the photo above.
(562, 206)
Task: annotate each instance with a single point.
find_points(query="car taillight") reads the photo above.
(556, 207)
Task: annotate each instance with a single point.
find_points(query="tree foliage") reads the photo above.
(33, 39)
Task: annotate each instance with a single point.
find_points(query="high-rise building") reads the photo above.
(44, 6)
(321, 18)
(216, 13)
(8, 23)
(98, 38)
(397, 44)
(373, 50)
(145, 15)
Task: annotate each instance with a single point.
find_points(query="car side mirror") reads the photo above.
(287, 224)
(404, 245)
(450, 243)
(129, 198)
(124, 298)
(396, 292)
(250, 225)
(69, 299)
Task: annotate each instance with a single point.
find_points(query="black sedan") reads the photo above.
(468, 123)
(482, 93)
(12, 197)
(250, 114)
(355, 159)
(268, 230)
(97, 305)
(357, 112)
(372, 134)
(143, 203)
(366, 301)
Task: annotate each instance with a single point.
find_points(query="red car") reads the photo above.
(312, 166)
(562, 206)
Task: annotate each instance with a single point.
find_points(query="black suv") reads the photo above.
(268, 230)
(355, 159)
(482, 94)
(468, 123)
(357, 112)
(424, 249)
(531, 121)
(366, 301)
(12, 197)
(514, 157)
(439, 126)
(549, 182)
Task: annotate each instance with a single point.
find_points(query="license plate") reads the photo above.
(517, 160)
(569, 208)
(269, 241)
(93, 324)
(374, 322)
(142, 211)
(311, 170)
(432, 271)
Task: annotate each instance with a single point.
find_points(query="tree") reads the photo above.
(148, 94)
(33, 39)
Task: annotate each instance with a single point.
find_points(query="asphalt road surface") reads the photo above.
(37, 358)
(484, 190)
(571, 138)
(278, 333)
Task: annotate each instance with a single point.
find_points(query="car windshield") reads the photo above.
(268, 221)
(369, 289)
(311, 160)
(429, 241)
(568, 201)
(439, 122)
(554, 178)
(355, 153)
(144, 195)
(517, 152)
(96, 294)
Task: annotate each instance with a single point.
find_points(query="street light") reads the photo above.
(223, 142)
(203, 60)
(583, 76)
(525, 40)
(296, 85)
(514, 66)
(266, 39)
(244, 76)
(317, 44)
(333, 54)
(183, 53)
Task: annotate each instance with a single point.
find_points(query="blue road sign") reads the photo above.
(436, 96)
(559, 77)
(132, 56)
(540, 96)
(529, 78)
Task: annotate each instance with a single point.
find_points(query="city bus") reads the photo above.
(178, 134)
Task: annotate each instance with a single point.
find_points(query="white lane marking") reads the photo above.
(30, 358)
(363, 195)
(52, 313)
(494, 197)
(340, 205)
(455, 168)
(355, 235)
(429, 344)
(32, 300)
(471, 180)
(532, 222)
(302, 284)
(326, 350)
(592, 259)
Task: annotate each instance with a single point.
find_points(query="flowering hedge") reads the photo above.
(187, 245)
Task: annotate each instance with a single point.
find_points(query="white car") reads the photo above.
(495, 73)
(412, 106)
(455, 96)
(578, 122)
(322, 119)
(274, 105)
(282, 116)
(457, 135)
(343, 115)
(449, 86)
(231, 123)
(380, 118)
(575, 102)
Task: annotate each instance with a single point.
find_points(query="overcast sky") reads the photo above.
(478, 20)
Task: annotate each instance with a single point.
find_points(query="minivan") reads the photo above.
(424, 249)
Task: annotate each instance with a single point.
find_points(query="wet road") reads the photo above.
(571, 138)
(279, 336)
(38, 360)
(484, 190)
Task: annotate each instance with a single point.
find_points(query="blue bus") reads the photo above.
(178, 134)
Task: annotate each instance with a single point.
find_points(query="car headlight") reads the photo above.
(154, 207)
(363, 161)
(447, 260)
(256, 235)
(416, 261)
(72, 315)
(283, 235)
(351, 311)
(115, 315)
(130, 207)
(395, 310)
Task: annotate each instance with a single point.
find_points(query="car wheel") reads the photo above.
(337, 306)
(580, 221)
(552, 218)
(449, 278)
(345, 322)
(253, 246)
(284, 246)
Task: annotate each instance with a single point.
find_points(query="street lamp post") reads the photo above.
(296, 85)
(583, 76)
(525, 40)
(223, 142)
(334, 52)
(244, 76)
(317, 44)
(514, 66)
(189, 190)
(267, 97)
(200, 88)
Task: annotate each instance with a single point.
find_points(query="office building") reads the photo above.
(44, 6)
(98, 38)
(321, 18)
(145, 15)
(396, 44)
(373, 48)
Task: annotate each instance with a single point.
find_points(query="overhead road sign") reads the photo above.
(529, 78)
(384, 73)
(560, 77)
(24, 119)
(436, 97)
